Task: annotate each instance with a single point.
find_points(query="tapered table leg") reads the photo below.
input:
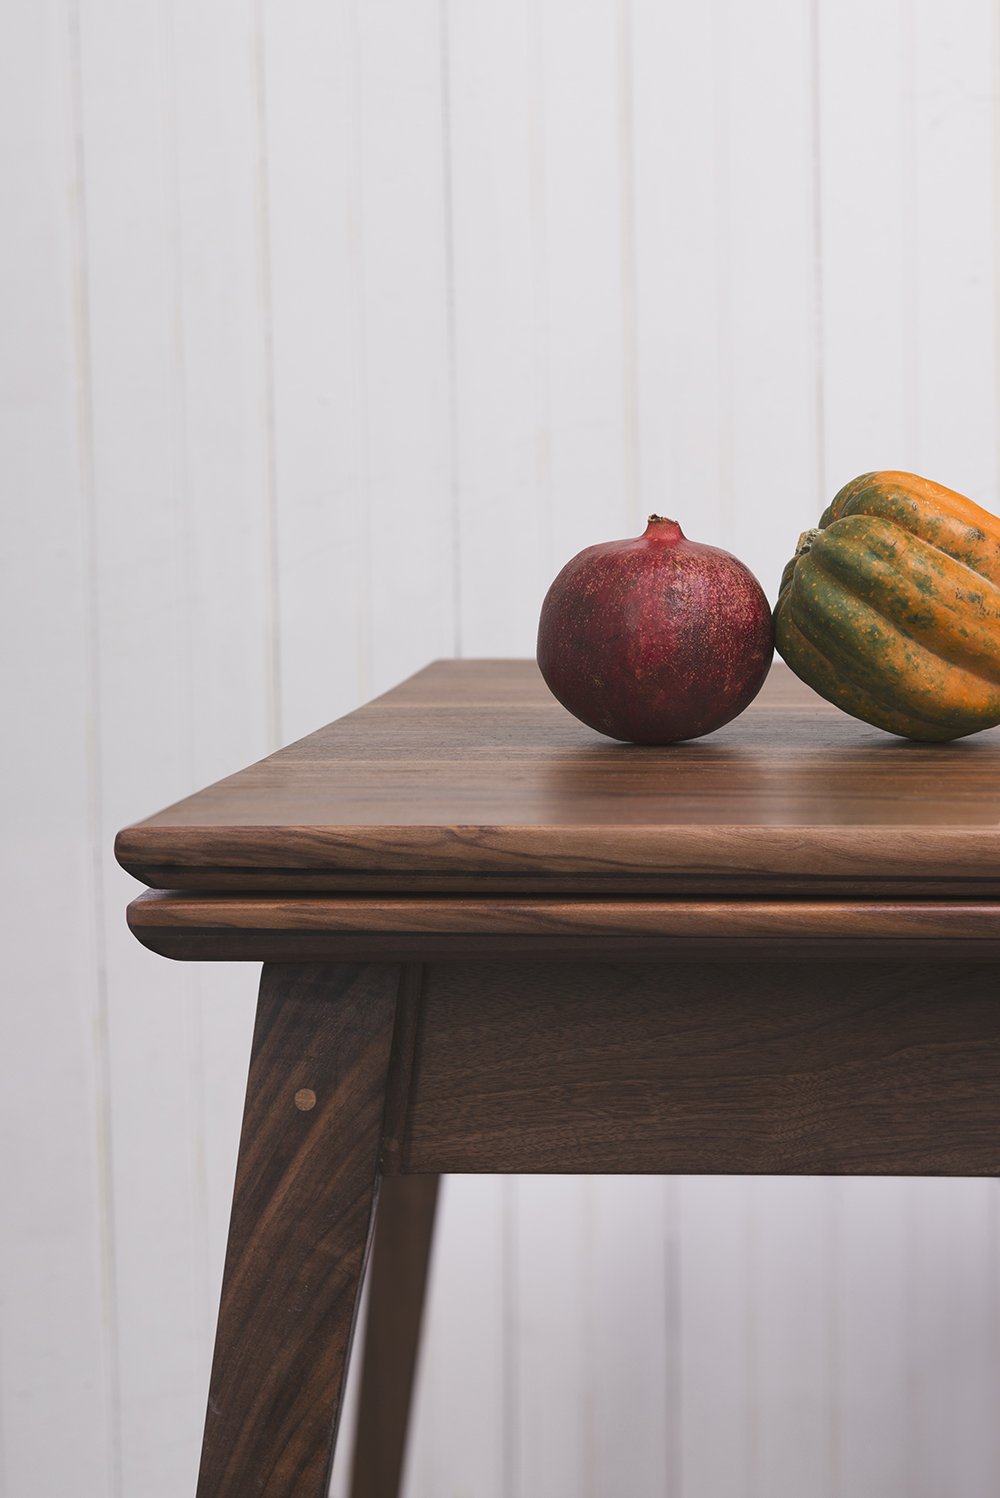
(398, 1281)
(303, 1207)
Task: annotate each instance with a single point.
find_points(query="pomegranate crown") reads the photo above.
(660, 528)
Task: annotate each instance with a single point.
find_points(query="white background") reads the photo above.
(330, 330)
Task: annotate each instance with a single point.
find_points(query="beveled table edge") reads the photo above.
(722, 860)
(226, 926)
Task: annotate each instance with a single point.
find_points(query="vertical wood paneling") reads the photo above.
(587, 334)
(770, 290)
(952, 1361)
(554, 1374)
(792, 1368)
(407, 346)
(182, 593)
(864, 168)
(310, 63)
(222, 378)
(144, 674)
(631, 1335)
(56, 1309)
(679, 201)
(718, 1319)
(458, 1420)
(871, 1311)
(954, 245)
(500, 324)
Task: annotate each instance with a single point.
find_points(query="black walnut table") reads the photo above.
(494, 941)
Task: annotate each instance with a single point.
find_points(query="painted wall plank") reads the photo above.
(169, 429)
(585, 83)
(311, 121)
(505, 559)
(864, 170)
(57, 1363)
(408, 402)
(222, 374)
(954, 245)
(770, 288)
(460, 1427)
(680, 259)
(794, 1350)
(872, 1341)
(633, 1330)
(554, 1370)
(719, 1439)
(952, 1363)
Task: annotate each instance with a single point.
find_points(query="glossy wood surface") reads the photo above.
(469, 777)
(301, 1223)
(813, 1069)
(379, 928)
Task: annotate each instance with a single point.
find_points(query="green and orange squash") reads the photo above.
(890, 608)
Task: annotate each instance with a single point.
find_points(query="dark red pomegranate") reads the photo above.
(655, 639)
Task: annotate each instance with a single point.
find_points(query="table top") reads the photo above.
(470, 778)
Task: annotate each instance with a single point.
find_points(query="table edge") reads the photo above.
(671, 860)
(191, 926)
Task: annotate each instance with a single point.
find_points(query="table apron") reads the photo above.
(833, 1068)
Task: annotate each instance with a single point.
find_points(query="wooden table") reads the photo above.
(494, 941)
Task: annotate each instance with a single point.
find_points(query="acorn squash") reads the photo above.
(890, 608)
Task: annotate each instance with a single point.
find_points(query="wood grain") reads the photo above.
(470, 777)
(312, 927)
(688, 1069)
(302, 1214)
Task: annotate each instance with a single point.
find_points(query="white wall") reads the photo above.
(331, 328)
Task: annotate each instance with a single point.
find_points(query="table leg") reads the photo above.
(398, 1280)
(303, 1207)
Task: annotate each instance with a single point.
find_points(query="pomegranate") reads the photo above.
(655, 639)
